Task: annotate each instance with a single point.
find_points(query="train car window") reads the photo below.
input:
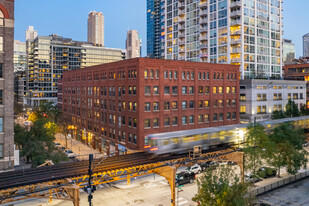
(166, 142)
(175, 140)
(205, 136)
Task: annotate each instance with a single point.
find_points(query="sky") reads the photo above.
(68, 18)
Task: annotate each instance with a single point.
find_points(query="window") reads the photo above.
(134, 90)
(156, 106)
(175, 75)
(1, 150)
(147, 123)
(275, 107)
(220, 103)
(166, 90)
(200, 90)
(199, 76)
(191, 104)
(200, 104)
(1, 71)
(155, 90)
(146, 73)
(242, 97)
(165, 74)
(206, 117)
(234, 115)
(171, 74)
(207, 90)
(233, 90)
(191, 90)
(200, 118)
(157, 74)
(134, 122)
(1, 97)
(147, 106)
(221, 117)
(192, 75)
(206, 102)
(135, 139)
(215, 103)
(233, 103)
(242, 109)
(184, 90)
(188, 75)
(191, 119)
(214, 90)
(184, 120)
(183, 75)
(228, 90)
(174, 90)
(151, 74)
(174, 105)
(184, 105)
(1, 43)
(166, 122)
(147, 90)
(228, 116)
(156, 122)
(166, 105)
(174, 121)
(220, 90)
(215, 117)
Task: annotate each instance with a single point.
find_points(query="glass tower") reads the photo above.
(306, 45)
(155, 28)
(240, 32)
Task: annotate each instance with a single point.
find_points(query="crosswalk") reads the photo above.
(181, 201)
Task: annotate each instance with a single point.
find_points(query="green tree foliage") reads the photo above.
(256, 137)
(37, 143)
(284, 148)
(278, 115)
(304, 111)
(222, 187)
(48, 110)
(291, 109)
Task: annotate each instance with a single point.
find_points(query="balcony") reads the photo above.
(235, 41)
(203, 37)
(236, 22)
(182, 50)
(181, 58)
(182, 35)
(236, 33)
(235, 13)
(236, 60)
(203, 13)
(203, 29)
(203, 54)
(181, 20)
(181, 5)
(203, 21)
(236, 50)
(180, 28)
(235, 4)
(181, 12)
(203, 46)
(181, 42)
(203, 4)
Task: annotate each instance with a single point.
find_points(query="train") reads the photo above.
(182, 141)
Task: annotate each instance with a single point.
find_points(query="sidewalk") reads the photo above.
(81, 150)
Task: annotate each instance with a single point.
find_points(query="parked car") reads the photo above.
(70, 153)
(195, 169)
(265, 172)
(252, 178)
(306, 144)
(57, 144)
(61, 148)
(184, 178)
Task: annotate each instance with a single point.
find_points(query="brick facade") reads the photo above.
(7, 86)
(111, 101)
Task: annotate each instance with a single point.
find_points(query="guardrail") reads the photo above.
(278, 184)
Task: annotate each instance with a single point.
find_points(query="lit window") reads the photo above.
(1, 43)
(242, 109)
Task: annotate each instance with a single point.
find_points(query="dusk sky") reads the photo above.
(68, 18)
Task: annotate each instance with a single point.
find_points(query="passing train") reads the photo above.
(185, 140)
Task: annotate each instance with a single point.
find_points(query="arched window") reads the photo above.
(1, 18)
(165, 74)
(151, 73)
(192, 75)
(188, 75)
(175, 75)
(157, 74)
(146, 73)
(171, 74)
(183, 75)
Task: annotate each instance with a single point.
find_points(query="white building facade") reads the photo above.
(240, 32)
(260, 97)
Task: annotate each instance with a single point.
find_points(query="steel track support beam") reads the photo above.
(128, 179)
(169, 173)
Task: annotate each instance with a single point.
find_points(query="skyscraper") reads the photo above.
(6, 85)
(288, 52)
(96, 28)
(31, 33)
(155, 27)
(133, 44)
(306, 45)
(239, 32)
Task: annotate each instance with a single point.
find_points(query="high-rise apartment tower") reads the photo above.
(238, 32)
(31, 34)
(306, 45)
(288, 54)
(133, 44)
(96, 28)
(6, 85)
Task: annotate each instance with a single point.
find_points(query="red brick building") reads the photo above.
(298, 72)
(115, 105)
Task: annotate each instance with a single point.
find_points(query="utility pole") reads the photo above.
(90, 188)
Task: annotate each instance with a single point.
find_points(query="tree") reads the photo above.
(291, 109)
(284, 148)
(304, 110)
(222, 187)
(47, 110)
(278, 114)
(37, 143)
(256, 137)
